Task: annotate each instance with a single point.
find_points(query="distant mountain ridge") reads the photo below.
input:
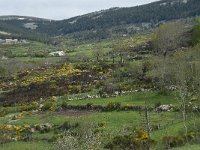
(102, 21)
(154, 12)
(15, 17)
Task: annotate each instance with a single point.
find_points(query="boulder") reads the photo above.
(164, 108)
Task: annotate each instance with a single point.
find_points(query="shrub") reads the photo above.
(196, 32)
(3, 111)
(192, 137)
(163, 91)
(113, 106)
(43, 128)
(9, 133)
(67, 125)
(29, 107)
(173, 141)
(138, 140)
(101, 124)
(109, 88)
(68, 142)
(48, 106)
(89, 105)
(157, 104)
(84, 138)
(64, 104)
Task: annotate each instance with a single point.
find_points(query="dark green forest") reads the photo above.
(94, 25)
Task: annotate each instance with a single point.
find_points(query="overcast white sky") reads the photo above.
(61, 9)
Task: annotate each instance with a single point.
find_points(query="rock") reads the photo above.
(14, 117)
(116, 93)
(97, 96)
(88, 96)
(164, 108)
(196, 108)
(32, 130)
(35, 111)
(43, 127)
(41, 105)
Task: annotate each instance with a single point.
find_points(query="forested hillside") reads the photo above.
(151, 13)
(95, 25)
(23, 28)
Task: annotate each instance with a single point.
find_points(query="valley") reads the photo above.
(96, 83)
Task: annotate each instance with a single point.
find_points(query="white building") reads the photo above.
(57, 53)
(11, 41)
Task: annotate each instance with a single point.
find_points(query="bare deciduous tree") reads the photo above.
(81, 56)
(186, 71)
(168, 38)
(98, 52)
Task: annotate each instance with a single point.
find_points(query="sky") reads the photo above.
(61, 9)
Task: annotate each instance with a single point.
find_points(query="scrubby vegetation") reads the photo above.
(137, 92)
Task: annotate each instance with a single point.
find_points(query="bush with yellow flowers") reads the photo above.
(29, 107)
(137, 140)
(54, 81)
(66, 70)
(50, 106)
(53, 98)
(18, 116)
(74, 89)
(9, 133)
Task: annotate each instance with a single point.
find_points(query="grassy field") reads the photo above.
(30, 49)
(189, 147)
(114, 121)
(27, 146)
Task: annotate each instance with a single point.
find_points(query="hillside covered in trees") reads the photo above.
(94, 25)
(153, 13)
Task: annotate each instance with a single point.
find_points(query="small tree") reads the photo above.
(112, 55)
(121, 47)
(98, 52)
(81, 56)
(2, 71)
(187, 78)
(168, 38)
(196, 32)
